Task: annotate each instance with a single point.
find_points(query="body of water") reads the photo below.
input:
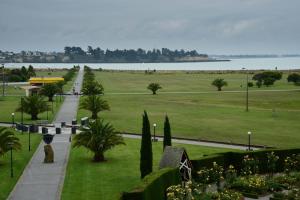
(234, 64)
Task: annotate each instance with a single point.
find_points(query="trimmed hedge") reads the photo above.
(154, 185)
(235, 159)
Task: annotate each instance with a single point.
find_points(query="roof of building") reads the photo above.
(172, 157)
(43, 80)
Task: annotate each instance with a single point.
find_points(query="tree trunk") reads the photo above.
(154, 92)
(94, 115)
(99, 157)
(219, 89)
(34, 117)
(50, 98)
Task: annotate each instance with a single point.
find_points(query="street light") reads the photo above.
(29, 140)
(13, 119)
(154, 138)
(22, 114)
(247, 90)
(249, 140)
(10, 145)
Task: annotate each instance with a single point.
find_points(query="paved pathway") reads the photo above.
(200, 143)
(41, 181)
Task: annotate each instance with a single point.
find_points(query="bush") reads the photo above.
(154, 185)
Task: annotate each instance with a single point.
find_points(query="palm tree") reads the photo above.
(49, 90)
(98, 137)
(154, 87)
(8, 140)
(219, 83)
(92, 88)
(95, 104)
(33, 105)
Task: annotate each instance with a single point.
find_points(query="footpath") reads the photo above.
(41, 181)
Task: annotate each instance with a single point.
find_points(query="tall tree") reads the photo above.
(98, 137)
(167, 133)
(146, 148)
(49, 90)
(33, 105)
(94, 104)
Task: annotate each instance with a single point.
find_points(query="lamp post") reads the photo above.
(247, 90)
(3, 83)
(249, 140)
(10, 145)
(154, 138)
(47, 112)
(13, 119)
(29, 140)
(22, 114)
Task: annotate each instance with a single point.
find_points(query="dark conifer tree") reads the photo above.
(146, 148)
(167, 133)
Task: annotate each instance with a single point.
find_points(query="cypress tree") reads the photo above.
(167, 133)
(146, 148)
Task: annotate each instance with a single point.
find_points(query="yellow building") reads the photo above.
(44, 80)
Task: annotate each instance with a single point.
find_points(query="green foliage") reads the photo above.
(19, 75)
(49, 90)
(291, 163)
(294, 78)
(154, 185)
(167, 133)
(211, 175)
(70, 74)
(98, 137)
(252, 184)
(267, 78)
(154, 87)
(146, 148)
(33, 105)
(250, 84)
(94, 104)
(219, 83)
(8, 140)
(250, 166)
(92, 88)
(272, 161)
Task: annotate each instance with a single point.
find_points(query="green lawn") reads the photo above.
(273, 116)
(20, 160)
(88, 180)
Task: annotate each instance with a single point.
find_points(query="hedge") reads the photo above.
(154, 185)
(235, 159)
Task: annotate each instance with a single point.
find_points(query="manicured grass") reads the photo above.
(273, 116)
(20, 160)
(88, 180)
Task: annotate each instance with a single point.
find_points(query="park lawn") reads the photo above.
(8, 105)
(273, 116)
(20, 160)
(88, 180)
(178, 81)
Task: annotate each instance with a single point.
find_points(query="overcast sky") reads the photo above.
(209, 26)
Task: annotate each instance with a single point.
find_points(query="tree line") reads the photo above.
(128, 55)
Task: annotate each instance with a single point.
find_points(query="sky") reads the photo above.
(208, 26)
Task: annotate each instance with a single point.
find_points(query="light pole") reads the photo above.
(247, 90)
(13, 119)
(3, 84)
(10, 145)
(29, 140)
(249, 141)
(22, 114)
(154, 138)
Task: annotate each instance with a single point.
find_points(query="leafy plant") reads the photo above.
(33, 105)
(272, 161)
(250, 166)
(219, 83)
(154, 87)
(8, 140)
(94, 104)
(49, 90)
(98, 137)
